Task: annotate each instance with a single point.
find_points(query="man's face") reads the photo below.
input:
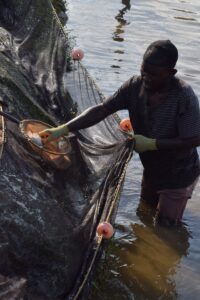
(155, 77)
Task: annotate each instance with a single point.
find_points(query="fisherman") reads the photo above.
(165, 115)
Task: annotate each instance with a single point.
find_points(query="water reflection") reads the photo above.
(183, 10)
(121, 21)
(142, 264)
(185, 19)
(154, 256)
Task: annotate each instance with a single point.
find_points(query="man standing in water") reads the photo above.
(165, 115)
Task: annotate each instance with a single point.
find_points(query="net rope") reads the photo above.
(2, 131)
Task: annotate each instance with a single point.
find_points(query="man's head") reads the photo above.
(158, 64)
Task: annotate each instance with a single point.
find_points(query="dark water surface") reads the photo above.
(141, 262)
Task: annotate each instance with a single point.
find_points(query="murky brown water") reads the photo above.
(141, 262)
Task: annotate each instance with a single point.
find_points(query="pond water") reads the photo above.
(142, 262)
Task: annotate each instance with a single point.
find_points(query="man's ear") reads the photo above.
(174, 71)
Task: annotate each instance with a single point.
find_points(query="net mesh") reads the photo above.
(49, 216)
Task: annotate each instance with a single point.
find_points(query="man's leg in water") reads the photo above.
(172, 203)
(149, 194)
(148, 202)
(169, 204)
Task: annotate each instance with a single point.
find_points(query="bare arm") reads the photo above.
(170, 144)
(89, 117)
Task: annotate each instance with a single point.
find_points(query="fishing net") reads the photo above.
(49, 214)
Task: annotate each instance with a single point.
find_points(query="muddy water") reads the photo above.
(142, 262)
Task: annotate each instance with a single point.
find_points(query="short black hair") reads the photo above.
(162, 53)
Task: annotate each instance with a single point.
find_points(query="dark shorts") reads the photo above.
(169, 203)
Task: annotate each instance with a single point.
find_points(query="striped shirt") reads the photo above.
(176, 115)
